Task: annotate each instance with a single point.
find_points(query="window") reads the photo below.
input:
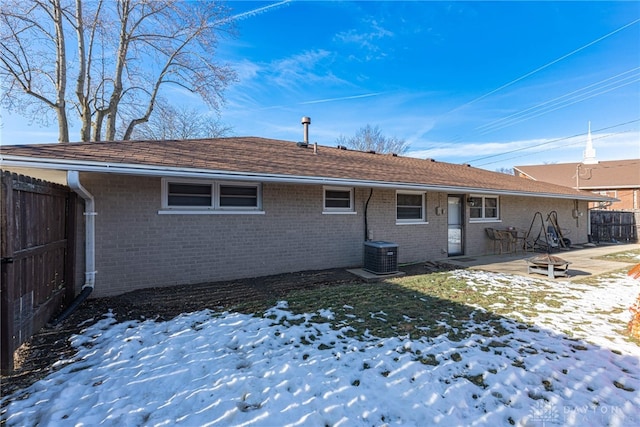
(338, 199)
(238, 196)
(483, 207)
(200, 196)
(189, 195)
(410, 207)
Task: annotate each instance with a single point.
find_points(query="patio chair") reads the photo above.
(521, 241)
(510, 240)
(495, 237)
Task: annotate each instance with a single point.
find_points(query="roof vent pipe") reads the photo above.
(306, 121)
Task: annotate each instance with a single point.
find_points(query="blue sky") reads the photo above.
(494, 84)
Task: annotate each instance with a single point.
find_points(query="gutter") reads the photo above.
(167, 171)
(73, 181)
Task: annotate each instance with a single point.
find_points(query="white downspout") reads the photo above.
(73, 181)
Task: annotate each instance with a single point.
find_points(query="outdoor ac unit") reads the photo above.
(381, 257)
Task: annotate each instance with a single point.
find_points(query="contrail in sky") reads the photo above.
(258, 11)
(319, 101)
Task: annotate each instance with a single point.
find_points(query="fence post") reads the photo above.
(7, 291)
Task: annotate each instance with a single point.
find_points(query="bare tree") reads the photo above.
(168, 122)
(508, 171)
(127, 51)
(370, 138)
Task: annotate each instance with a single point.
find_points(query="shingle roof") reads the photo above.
(263, 159)
(603, 175)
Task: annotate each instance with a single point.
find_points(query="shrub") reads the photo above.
(634, 323)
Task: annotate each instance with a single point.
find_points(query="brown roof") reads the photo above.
(603, 175)
(263, 159)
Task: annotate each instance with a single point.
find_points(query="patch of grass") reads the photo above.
(579, 347)
(527, 350)
(477, 380)
(536, 396)
(518, 364)
(623, 387)
(429, 359)
(596, 279)
(630, 256)
(427, 305)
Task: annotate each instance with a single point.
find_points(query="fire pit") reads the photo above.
(550, 265)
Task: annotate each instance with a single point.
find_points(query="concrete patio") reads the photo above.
(583, 261)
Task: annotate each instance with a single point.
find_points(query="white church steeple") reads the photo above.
(589, 154)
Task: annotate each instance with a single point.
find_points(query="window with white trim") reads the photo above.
(189, 194)
(410, 207)
(338, 199)
(204, 196)
(483, 207)
(238, 196)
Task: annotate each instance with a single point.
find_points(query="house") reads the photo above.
(619, 179)
(161, 213)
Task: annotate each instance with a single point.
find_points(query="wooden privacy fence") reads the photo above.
(37, 258)
(614, 226)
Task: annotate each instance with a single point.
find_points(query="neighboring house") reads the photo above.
(618, 179)
(195, 211)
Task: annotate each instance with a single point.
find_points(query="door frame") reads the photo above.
(461, 199)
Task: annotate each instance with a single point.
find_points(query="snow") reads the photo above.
(284, 369)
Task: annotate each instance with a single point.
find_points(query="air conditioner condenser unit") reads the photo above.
(381, 257)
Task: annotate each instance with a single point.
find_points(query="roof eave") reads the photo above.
(609, 187)
(524, 173)
(178, 172)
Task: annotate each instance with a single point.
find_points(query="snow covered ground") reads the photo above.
(283, 369)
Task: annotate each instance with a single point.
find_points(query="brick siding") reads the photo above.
(138, 248)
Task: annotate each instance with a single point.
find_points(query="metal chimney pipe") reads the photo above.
(306, 121)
